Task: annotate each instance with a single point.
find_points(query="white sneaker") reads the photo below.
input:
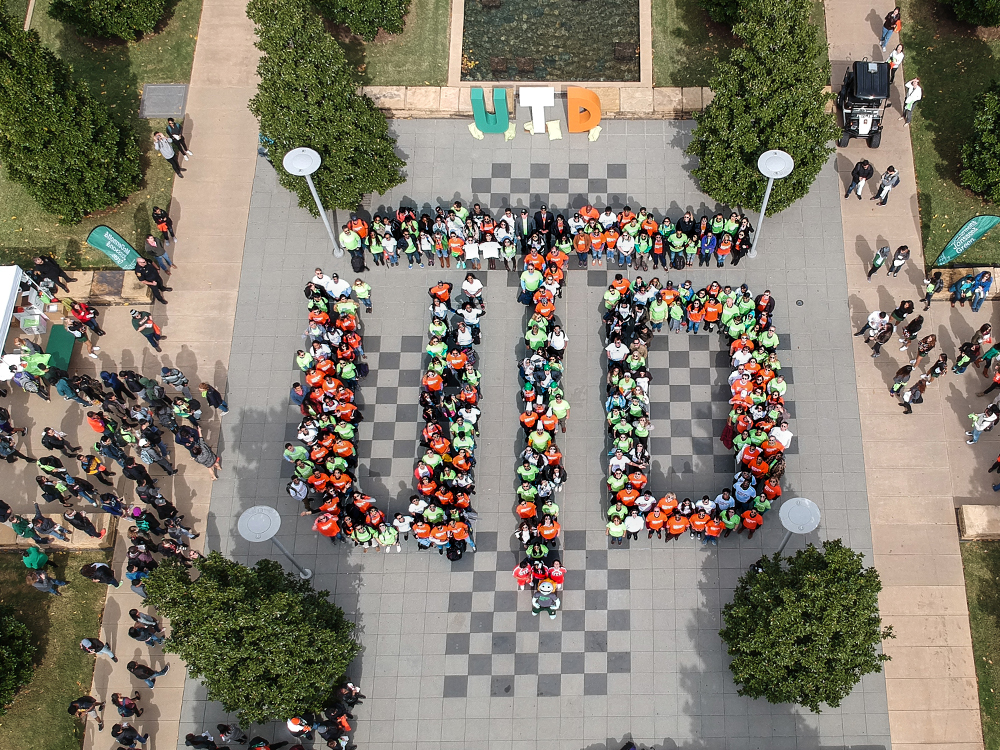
(97, 348)
(186, 157)
(92, 356)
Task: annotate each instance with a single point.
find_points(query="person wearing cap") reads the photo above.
(544, 222)
(142, 322)
(174, 377)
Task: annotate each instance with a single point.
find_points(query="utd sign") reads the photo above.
(583, 108)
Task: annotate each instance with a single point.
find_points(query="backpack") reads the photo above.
(454, 553)
(358, 263)
(678, 263)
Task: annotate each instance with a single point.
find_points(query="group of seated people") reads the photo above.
(441, 512)
(468, 237)
(541, 475)
(757, 427)
(326, 456)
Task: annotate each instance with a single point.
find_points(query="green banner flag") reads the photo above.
(974, 228)
(112, 244)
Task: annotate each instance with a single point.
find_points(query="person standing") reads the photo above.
(982, 422)
(914, 93)
(890, 178)
(895, 60)
(893, 22)
(544, 222)
(881, 255)
(173, 377)
(142, 322)
(165, 224)
(48, 268)
(214, 398)
(165, 146)
(156, 249)
(899, 258)
(862, 172)
(149, 276)
(176, 132)
(932, 286)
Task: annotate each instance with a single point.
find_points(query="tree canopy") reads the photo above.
(805, 629)
(121, 19)
(981, 153)
(17, 651)
(264, 643)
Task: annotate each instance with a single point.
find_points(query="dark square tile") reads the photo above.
(482, 622)
(788, 374)
(718, 425)
(387, 360)
(550, 642)
(577, 200)
(364, 447)
(595, 640)
(501, 170)
(411, 344)
(549, 685)
(526, 663)
(539, 170)
(724, 464)
(537, 200)
(456, 643)
(596, 600)
(456, 685)
(498, 200)
(386, 395)
(482, 184)
(597, 559)
(384, 430)
(793, 449)
(722, 360)
(682, 464)
(502, 686)
(619, 619)
(512, 280)
(699, 343)
(527, 622)
(505, 601)
(701, 410)
(680, 427)
(595, 684)
(703, 446)
(572, 663)
(484, 580)
(460, 601)
(406, 412)
(574, 539)
(700, 376)
(597, 185)
(481, 664)
(579, 171)
(573, 620)
(784, 341)
(619, 579)
(658, 409)
(504, 643)
(576, 579)
(558, 185)
(287, 470)
(619, 662)
(404, 448)
(292, 429)
(618, 171)
(379, 467)
(680, 392)
(597, 278)
(409, 378)
(660, 375)
(373, 344)
(486, 541)
(520, 185)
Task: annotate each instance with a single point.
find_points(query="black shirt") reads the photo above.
(148, 273)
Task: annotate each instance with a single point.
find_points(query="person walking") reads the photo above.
(892, 23)
(165, 147)
(128, 735)
(914, 93)
(100, 572)
(914, 395)
(98, 647)
(881, 255)
(176, 132)
(142, 322)
(149, 276)
(899, 258)
(895, 60)
(214, 398)
(79, 519)
(164, 224)
(890, 178)
(48, 269)
(982, 422)
(127, 707)
(146, 674)
(862, 172)
(44, 582)
(88, 706)
(178, 380)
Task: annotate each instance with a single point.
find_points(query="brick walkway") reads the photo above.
(918, 467)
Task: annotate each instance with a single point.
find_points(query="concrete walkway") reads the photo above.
(918, 467)
(210, 207)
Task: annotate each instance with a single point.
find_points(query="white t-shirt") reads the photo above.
(473, 288)
(617, 352)
(782, 436)
(607, 219)
(339, 288)
(626, 244)
(471, 250)
(558, 341)
(322, 282)
(617, 463)
(490, 249)
(403, 524)
(469, 413)
(634, 523)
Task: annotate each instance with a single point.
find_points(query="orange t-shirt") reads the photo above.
(700, 520)
(628, 496)
(667, 504)
(677, 525)
(581, 244)
(752, 520)
(621, 285)
(655, 521)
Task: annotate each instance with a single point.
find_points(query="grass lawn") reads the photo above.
(982, 585)
(954, 65)
(417, 57)
(17, 8)
(116, 73)
(37, 719)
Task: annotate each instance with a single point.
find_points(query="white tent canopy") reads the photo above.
(10, 294)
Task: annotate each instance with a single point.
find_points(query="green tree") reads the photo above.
(121, 19)
(981, 153)
(364, 17)
(55, 138)
(976, 12)
(808, 632)
(768, 95)
(16, 653)
(307, 97)
(722, 11)
(265, 643)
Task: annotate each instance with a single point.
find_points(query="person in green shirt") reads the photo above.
(616, 530)
(295, 453)
(617, 480)
(438, 328)
(617, 511)
(549, 508)
(434, 513)
(539, 439)
(658, 311)
(527, 492)
(676, 316)
(348, 372)
(730, 519)
(531, 279)
(527, 472)
(611, 298)
(387, 536)
(559, 407)
(536, 339)
(363, 536)
(304, 469)
(537, 551)
(463, 441)
(349, 239)
(460, 211)
(304, 361)
(34, 559)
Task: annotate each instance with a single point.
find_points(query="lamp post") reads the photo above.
(773, 165)
(302, 162)
(260, 523)
(799, 516)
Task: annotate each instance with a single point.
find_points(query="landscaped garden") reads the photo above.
(115, 71)
(63, 671)
(955, 62)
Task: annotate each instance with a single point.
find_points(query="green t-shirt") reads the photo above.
(560, 409)
(616, 530)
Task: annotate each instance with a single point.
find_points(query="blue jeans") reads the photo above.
(975, 435)
(977, 302)
(693, 326)
(886, 36)
(164, 262)
(656, 326)
(675, 325)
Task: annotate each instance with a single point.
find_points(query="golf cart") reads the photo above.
(862, 102)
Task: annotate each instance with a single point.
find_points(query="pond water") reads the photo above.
(550, 40)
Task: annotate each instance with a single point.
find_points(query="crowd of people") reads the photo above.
(756, 429)
(467, 237)
(540, 474)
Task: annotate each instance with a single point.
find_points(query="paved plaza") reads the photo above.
(452, 654)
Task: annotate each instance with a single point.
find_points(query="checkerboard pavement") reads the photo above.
(565, 186)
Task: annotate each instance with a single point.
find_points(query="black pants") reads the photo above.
(175, 164)
(182, 143)
(157, 294)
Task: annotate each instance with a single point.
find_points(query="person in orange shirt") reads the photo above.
(656, 519)
(556, 257)
(548, 529)
(440, 444)
(340, 481)
(534, 259)
(698, 523)
(625, 216)
(433, 384)
(597, 243)
(422, 533)
(526, 510)
(627, 496)
(713, 528)
(589, 213)
(772, 489)
(713, 310)
(528, 419)
(546, 309)
(759, 467)
(553, 456)
(427, 487)
(327, 525)
(668, 503)
(650, 225)
(676, 525)
(581, 246)
(522, 574)
(554, 276)
(752, 520)
(695, 314)
(440, 537)
(549, 422)
(638, 480)
(621, 284)
(771, 448)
